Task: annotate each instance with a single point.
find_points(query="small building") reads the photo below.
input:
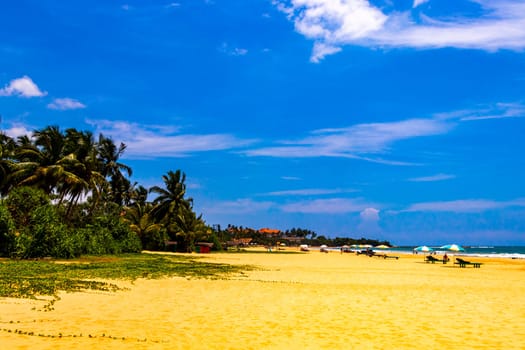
(269, 232)
(203, 247)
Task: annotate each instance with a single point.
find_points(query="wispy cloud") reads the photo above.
(356, 141)
(498, 24)
(464, 205)
(326, 206)
(432, 178)
(371, 141)
(23, 87)
(499, 110)
(235, 51)
(239, 206)
(63, 104)
(419, 2)
(291, 178)
(310, 192)
(153, 141)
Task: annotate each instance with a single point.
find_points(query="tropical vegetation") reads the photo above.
(67, 193)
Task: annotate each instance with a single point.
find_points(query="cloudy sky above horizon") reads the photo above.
(391, 119)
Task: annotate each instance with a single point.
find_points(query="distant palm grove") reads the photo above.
(66, 193)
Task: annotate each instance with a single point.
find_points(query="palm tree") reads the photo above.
(43, 162)
(83, 146)
(172, 209)
(109, 155)
(140, 220)
(7, 146)
(170, 199)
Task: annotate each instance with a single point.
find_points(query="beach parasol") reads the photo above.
(452, 248)
(423, 248)
(382, 246)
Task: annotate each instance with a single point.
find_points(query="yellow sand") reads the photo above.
(295, 301)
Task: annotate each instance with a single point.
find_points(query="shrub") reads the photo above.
(7, 231)
(21, 203)
(45, 236)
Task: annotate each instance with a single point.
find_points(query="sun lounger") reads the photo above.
(433, 259)
(365, 252)
(464, 263)
(384, 256)
(371, 253)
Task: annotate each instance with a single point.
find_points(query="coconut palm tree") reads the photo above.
(171, 198)
(151, 233)
(109, 155)
(7, 147)
(171, 207)
(43, 162)
(83, 146)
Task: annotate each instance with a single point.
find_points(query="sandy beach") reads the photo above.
(292, 301)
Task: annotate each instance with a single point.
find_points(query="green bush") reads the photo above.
(7, 231)
(45, 236)
(21, 203)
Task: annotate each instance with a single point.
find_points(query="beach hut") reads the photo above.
(203, 247)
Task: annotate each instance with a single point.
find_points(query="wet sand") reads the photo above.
(293, 301)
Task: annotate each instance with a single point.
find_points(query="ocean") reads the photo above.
(511, 252)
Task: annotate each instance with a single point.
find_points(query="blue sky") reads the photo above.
(391, 119)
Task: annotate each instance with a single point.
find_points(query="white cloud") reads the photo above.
(369, 221)
(153, 141)
(310, 192)
(65, 104)
(24, 87)
(464, 205)
(239, 206)
(326, 206)
(356, 141)
(291, 178)
(369, 214)
(432, 178)
(236, 51)
(367, 141)
(419, 2)
(335, 23)
(239, 51)
(499, 110)
(321, 50)
(17, 130)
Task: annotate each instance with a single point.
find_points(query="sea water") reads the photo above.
(511, 252)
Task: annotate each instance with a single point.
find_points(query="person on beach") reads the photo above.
(445, 258)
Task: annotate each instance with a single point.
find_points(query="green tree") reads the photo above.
(7, 147)
(152, 234)
(109, 155)
(44, 163)
(172, 209)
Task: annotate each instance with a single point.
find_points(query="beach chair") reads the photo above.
(433, 259)
(464, 263)
(385, 256)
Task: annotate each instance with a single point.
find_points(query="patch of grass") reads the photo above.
(31, 279)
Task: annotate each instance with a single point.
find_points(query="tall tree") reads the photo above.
(171, 198)
(43, 163)
(172, 209)
(109, 155)
(7, 147)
